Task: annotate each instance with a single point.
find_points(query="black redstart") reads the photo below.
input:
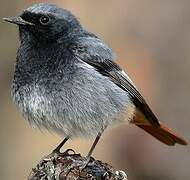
(66, 80)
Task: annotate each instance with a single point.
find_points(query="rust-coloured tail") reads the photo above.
(163, 134)
(159, 131)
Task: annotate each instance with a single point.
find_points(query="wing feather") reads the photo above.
(93, 51)
(113, 71)
(97, 54)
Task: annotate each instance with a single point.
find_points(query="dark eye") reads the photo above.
(44, 20)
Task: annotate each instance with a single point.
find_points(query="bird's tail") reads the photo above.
(163, 134)
(160, 132)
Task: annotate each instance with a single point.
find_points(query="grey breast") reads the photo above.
(82, 106)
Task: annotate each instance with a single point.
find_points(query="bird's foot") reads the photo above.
(57, 149)
(84, 163)
(67, 152)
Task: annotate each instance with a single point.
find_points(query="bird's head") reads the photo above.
(46, 22)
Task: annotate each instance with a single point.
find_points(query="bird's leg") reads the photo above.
(57, 149)
(91, 151)
(94, 145)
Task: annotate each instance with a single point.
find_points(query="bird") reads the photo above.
(66, 80)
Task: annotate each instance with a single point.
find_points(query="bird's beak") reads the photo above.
(17, 20)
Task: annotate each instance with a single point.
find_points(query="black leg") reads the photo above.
(85, 162)
(57, 149)
(94, 145)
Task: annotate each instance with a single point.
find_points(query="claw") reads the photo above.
(69, 150)
(84, 163)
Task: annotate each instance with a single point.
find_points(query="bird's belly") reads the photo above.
(80, 110)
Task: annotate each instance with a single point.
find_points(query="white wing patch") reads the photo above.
(124, 73)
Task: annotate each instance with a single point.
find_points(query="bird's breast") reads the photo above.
(83, 105)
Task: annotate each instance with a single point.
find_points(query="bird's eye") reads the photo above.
(44, 20)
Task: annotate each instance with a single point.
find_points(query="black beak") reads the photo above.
(17, 20)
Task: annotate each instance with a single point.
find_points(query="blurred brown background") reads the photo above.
(152, 40)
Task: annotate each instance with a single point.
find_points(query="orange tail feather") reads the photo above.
(160, 132)
(163, 134)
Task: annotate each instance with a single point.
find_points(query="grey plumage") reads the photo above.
(66, 80)
(84, 105)
(56, 89)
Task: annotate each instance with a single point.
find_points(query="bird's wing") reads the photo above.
(112, 70)
(144, 117)
(94, 52)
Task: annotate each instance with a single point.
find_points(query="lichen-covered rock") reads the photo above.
(70, 166)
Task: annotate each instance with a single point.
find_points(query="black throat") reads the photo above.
(38, 61)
